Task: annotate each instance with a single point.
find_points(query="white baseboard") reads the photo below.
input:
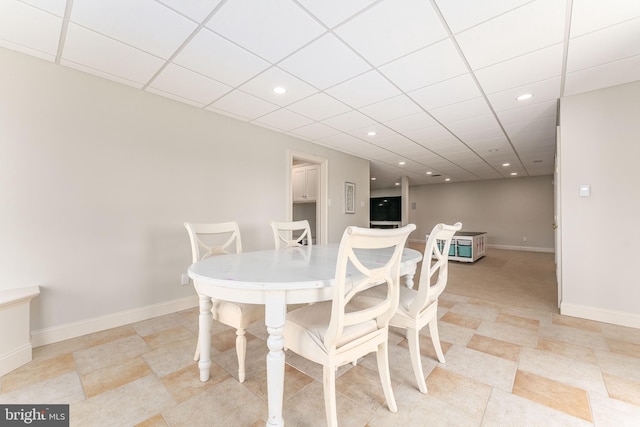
(507, 247)
(14, 359)
(72, 330)
(621, 318)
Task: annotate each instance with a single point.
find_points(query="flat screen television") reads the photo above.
(385, 209)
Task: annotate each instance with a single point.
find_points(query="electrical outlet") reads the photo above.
(524, 238)
(184, 280)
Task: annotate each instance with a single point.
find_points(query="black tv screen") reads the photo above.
(385, 209)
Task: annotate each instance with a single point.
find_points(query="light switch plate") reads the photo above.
(585, 190)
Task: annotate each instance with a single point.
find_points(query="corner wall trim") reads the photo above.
(620, 318)
(114, 320)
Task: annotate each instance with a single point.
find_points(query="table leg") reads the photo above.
(275, 315)
(408, 280)
(205, 321)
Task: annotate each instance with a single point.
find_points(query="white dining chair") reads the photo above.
(217, 239)
(334, 333)
(419, 307)
(284, 233)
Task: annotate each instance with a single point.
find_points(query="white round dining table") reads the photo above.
(275, 278)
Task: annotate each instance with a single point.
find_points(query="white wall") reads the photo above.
(97, 178)
(600, 146)
(507, 209)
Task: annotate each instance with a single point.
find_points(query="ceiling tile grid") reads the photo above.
(436, 80)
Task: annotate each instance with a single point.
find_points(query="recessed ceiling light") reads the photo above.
(524, 97)
(371, 133)
(506, 164)
(373, 178)
(397, 183)
(447, 179)
(514, 173)
(429, 173)
(401, 163)
(279, 90)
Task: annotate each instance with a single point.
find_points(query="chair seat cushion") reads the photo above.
(236, 315)
(306, 327)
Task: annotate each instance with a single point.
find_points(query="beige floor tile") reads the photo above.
(519, 321)
(482, 367)
(426, 346)
(621, 333)
(109, 354)
(495, 347)
(226, 340)
(461, 320)
(65, 389)
(581, 337)
(105, 379)
(451, 333)
(161, 323)
(169, 336)
(185, 383)
(506, 332)
(576, 352)
(475, 310)
(568, 399)
(363, 386)
(38, 371)
(255, 362)
(155, 421)
(463, 393)
(506, 409)
(624, 347)
(619, 365)
(623, 389)
(166, 360)
(574, 322)
(104, 337)
(609, 412)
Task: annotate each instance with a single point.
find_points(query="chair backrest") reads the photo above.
(283, 233)
(435, 266)
(213, 239)
(369, 268)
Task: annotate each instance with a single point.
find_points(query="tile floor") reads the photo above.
(511, 360)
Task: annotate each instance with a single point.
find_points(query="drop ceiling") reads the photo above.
(436, 80)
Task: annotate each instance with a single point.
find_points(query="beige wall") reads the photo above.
(507, 209)
(97, 178)
(600, 134)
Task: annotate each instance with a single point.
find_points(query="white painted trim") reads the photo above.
(114, 320)
(621, 318)
(15, 358)
(507, 247)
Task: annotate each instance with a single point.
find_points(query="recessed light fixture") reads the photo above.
(524, 97)
(447, 179)
(279, 90)
(402, 163)
(429, 173)
(371, 133)
(397, 183)
(506, 164)
(373, 178)
(514, 173)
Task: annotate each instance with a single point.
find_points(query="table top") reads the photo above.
(306, 267)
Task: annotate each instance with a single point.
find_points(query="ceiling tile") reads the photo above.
(29, 30)
(478, 123)
(116, 60)
(403, 71)
(381, 131)
(546, 90)
(593, 15)
(244, 105)
(262, 86)
(314, 131)
(272, 29)
(431, 136)
(449, 92)
(462, 14)
(333, 12)
(391, 29)
(349, 121)
(325, 62)
(412, 122)
(351, 92)
(611, 44)
(461, 111)
(611, 74)
(57, 7)
(319, 107)
(194, 9)
(528, 28)
(144, 24)
(284, 120)
(541, 129)
(392, 108)
(187, 84)
(215, 57)
(529, 112)
(542, 64)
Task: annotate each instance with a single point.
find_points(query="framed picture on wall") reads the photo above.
(349, 197)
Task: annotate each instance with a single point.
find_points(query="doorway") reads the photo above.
(308, 192)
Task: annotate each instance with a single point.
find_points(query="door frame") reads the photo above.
(322, 213)
(557, 214)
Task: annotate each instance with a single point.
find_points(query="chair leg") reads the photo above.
(435, 338)
(241, 350)
(413, 337)
(329, 379)
(382, 356)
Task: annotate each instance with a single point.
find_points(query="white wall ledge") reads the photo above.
(15, 315)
